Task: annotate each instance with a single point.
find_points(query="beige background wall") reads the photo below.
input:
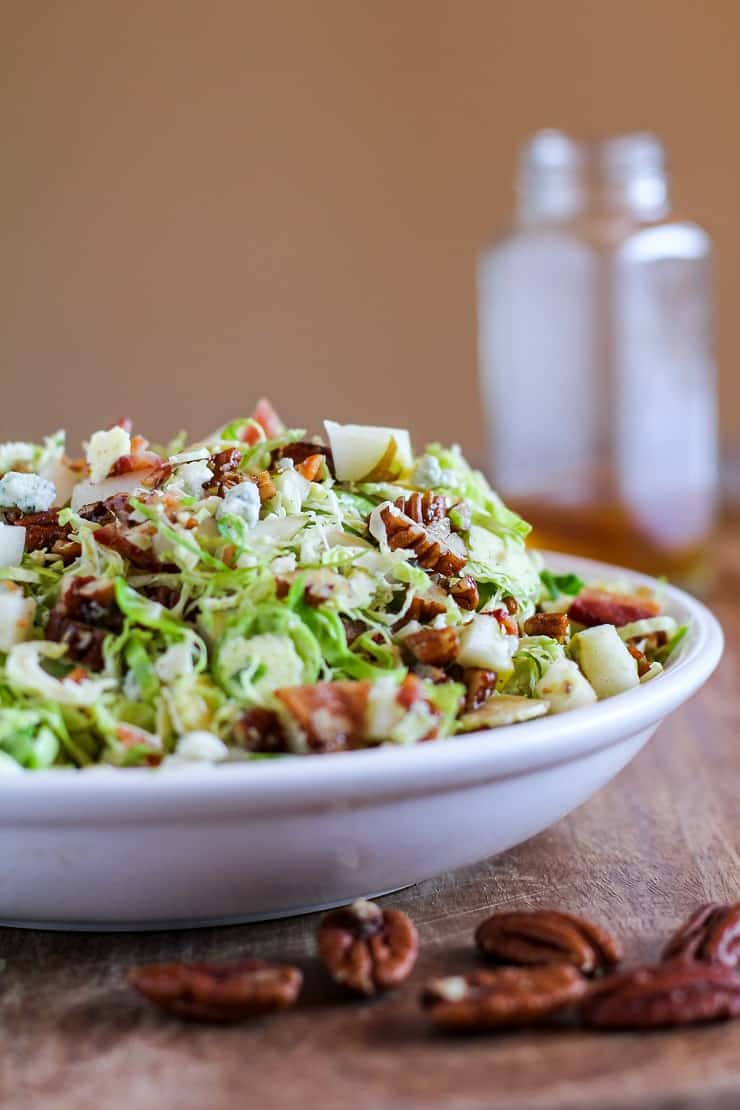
(203, 202)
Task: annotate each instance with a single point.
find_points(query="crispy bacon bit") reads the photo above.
(331, 715)
(410, 691)
(83, 616)
(432, 554)
(353, 628)
(166, 596)
(643, 663)
(436, 646)
(264, 415)
(264, 485)
(84, 644)
(424, 508)
(45, 533)
(593, 607)
(310, 467)
(260, 730)
(135, 461)
(465, 593)
(505, 619)
(319, 586)
(479, 685)
(303, 450)
(111, 535)
(554, 625)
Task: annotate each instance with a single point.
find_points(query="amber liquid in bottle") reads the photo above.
(610, 534)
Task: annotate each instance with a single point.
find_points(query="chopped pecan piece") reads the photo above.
(548, 937)
(555, 625)
(505, 998)
(218, 992)
(479, 685)
(166, 596)
(319, 585)
(511, 605)
(643, 663)
(711, 935)
(432, 554)
(265, 485)
(260, 730)
(677, 992)
(436, 646)
(465, 592)
(331, 715)
(593, 607)
(423, 610)
(367, 949)
(225, 466)
(424, 508)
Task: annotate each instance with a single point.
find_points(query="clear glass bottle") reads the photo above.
(596, 359)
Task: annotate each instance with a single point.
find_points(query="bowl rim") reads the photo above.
(296, 784)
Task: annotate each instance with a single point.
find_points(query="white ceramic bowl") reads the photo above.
(123, 849)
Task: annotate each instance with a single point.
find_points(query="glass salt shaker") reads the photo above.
(596, 360)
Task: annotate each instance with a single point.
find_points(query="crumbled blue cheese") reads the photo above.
(428, 473)
(197, 747)
(192, 476)
(242, 501)
(26, 492)
(105, 449)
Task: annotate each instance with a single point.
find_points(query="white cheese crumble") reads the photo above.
(105, 449)
(428, 473)
(26, 492)
(192, 476)
(242, 501)
(197, 747)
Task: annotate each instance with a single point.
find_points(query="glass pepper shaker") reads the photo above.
(596, 361)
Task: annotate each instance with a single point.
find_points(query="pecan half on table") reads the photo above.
(218, 992)
(677, 992)
(711, 935)
(366, 948)
(548, 937)
(505, 998)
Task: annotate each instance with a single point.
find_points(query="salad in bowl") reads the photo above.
(261, 593)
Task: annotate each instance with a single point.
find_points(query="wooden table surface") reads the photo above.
(660, 839)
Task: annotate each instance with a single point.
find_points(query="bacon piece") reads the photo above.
(479, 685)
(303, 450)
(112, 535)
(436, 646)
(84, 614)
(424, 508)
(260, 730)
(310, 467)
(432, 554)
(554, 625)
(332, 715)
(264, 414)
(465, 593)
(45, 533)
(225, 466)
(593, 607)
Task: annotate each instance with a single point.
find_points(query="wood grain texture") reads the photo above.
(660, 839)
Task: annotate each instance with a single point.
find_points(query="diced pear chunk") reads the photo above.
(363, 453)
(605, 660)
(565, 687)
